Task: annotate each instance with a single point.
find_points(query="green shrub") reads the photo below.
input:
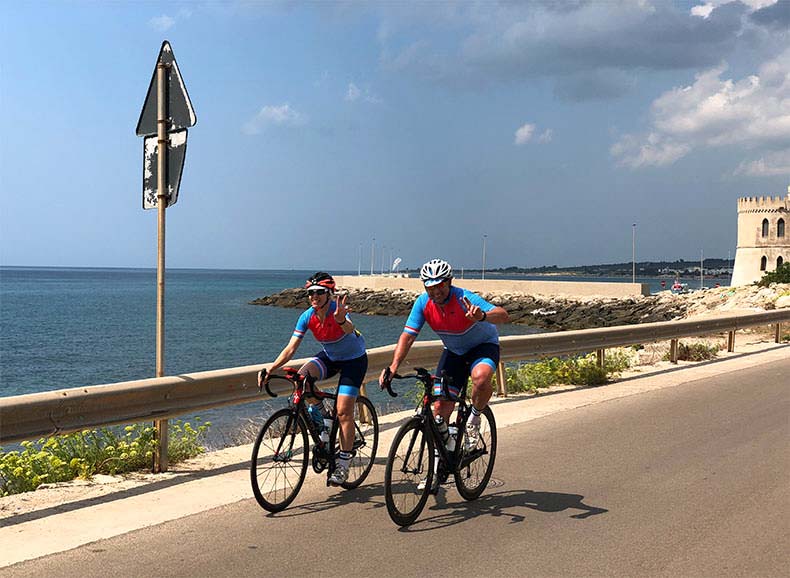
(89, 452)
(583, 370)
(697, 351)
(780, 275)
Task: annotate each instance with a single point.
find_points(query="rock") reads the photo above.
(782, 302)
(559, 313)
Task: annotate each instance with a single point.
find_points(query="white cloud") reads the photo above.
(353, 92)
(162, 23)
(165, 22)
(269, 115)
(771, 165)
(704, 10)
(653, 150)
(752, 112)
(524, 134)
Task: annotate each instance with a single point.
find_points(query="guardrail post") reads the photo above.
(160, 452)
(601, 357)
(673, 351)
(730, 341)
(501, 379)
(778, 337)
(363, 414)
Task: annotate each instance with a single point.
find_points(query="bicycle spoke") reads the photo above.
(408, 474)
(366, 439)
(279, 463)
(477, 455)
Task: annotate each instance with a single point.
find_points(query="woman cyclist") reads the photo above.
(343, 352)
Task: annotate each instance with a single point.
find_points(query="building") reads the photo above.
(763, 238)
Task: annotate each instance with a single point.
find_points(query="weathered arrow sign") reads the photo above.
(180, 113)
(166, 115)
(176, 152)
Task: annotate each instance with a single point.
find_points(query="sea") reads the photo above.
(73, 327)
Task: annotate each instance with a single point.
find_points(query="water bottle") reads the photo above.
(442, 427)
(315, 414)
(453, 431)
(326, 413)
(326, 428)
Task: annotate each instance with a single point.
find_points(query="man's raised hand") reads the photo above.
(473, 312)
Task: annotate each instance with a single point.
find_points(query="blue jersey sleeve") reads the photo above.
(475, 299)
(416, 318)
(302, 324)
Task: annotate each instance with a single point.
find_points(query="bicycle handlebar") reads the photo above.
(291, 375)
(420, 374)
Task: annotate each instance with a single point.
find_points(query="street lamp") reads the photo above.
(359, 264)
(372, 252)
(633, 253)
(484, 257)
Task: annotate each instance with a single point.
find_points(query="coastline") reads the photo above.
(562, 313)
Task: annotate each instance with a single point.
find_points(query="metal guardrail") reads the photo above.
(56, 412)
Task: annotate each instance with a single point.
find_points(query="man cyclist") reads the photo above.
(343, 352)
(464, 322)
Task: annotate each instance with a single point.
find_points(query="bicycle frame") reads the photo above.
(304, 386)
(425, 413)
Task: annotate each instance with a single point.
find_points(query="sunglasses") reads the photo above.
(313, 292)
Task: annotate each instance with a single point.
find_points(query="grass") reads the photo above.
(696, 351)
(581, 370)
(90, 452)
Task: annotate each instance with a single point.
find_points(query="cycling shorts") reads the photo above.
(352, 372)
(459, 367)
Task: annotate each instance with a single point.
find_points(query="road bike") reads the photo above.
(418, 452)
(282, 449)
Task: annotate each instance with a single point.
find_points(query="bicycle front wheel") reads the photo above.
(409, 473)
(476, 456)
(279, 460)
(366, 442)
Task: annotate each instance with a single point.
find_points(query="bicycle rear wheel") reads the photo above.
(366, 442)
(476, 457)
(410, 462)
(279, 460)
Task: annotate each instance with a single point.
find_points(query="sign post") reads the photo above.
(167, 113)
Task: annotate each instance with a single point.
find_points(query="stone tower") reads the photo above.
(763, 237)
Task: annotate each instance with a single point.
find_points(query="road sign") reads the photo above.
(180, 113)
(176, 152)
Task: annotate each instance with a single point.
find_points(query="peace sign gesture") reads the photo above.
(473, 312)
(342, 309)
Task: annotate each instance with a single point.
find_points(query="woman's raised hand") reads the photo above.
(342, 308)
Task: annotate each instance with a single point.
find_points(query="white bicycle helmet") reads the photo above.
(435, 271)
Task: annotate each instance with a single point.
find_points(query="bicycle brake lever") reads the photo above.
(388, 377)
(265, 382)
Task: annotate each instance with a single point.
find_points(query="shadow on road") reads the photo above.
(505, 504)
(441, 512)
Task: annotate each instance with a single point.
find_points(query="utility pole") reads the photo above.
(372, 252)
(483, 276)
(633, 253)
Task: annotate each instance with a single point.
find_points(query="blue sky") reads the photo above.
(548, 127)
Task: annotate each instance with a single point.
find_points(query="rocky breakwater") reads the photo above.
(544, 312)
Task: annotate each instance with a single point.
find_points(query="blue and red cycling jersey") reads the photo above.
(337, 344)
(458, 333)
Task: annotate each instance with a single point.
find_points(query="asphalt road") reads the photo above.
(684, 481)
